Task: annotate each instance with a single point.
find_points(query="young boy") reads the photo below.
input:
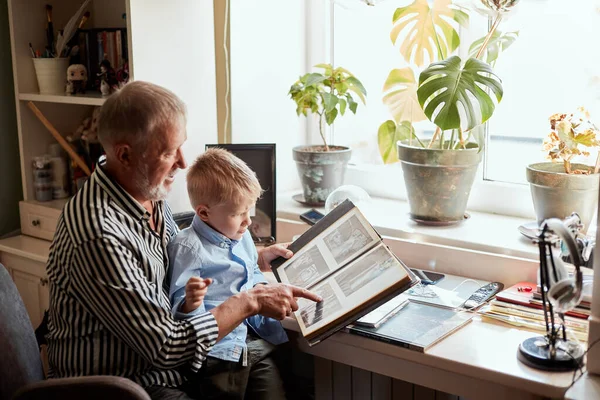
(214, 259)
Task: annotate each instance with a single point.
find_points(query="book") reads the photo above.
(344, 260)
(417, 326)
(522, 294)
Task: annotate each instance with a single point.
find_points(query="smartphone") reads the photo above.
(428, 277)
(311, 217)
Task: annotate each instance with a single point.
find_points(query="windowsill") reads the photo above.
(490, 233)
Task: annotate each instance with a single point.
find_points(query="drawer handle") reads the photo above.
(35, 222)
(43, 281)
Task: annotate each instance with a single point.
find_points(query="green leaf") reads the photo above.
(341, 87)
(497, 44)
(352, 105)
(314, 78)
(444, 84)
(327, 67)
(400, 95)
(330, 116)
(389, 134)
(342, 104)
(427, 31)
(357, 87)
(330, 101)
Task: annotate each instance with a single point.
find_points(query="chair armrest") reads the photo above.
(98, 387)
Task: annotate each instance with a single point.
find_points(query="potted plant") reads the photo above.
(561, 187)
(327, 94)
(457, 96)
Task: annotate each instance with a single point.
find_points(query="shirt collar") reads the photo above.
(117, 193)
(208, 233)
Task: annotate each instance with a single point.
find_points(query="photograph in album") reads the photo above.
(344, 260)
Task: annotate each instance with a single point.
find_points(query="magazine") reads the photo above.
(344, 260)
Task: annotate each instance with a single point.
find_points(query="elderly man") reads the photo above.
(109, 312)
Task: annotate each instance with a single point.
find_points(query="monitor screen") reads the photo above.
(261, 159)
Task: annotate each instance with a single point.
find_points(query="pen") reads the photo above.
(32, 51)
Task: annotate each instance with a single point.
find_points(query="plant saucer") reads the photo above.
(431, 222)
(300, 199)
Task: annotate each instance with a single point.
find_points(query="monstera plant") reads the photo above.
(457, 95)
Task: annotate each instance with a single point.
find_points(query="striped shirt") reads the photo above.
(109, 311)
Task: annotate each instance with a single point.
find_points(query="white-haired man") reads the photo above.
(109, 312)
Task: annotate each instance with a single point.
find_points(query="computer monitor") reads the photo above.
(261, 159)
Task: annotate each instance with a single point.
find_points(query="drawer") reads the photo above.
(40, 219)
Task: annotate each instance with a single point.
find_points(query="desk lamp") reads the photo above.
(560, 293)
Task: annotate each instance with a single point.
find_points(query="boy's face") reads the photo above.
(229, 219)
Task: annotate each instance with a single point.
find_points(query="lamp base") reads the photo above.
(535, 352)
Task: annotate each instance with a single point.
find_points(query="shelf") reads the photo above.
(89, 99)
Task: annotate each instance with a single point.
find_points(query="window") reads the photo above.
(552, 67)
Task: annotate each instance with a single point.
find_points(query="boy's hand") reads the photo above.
(195, 290)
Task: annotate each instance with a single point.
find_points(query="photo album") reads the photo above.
(344, 260)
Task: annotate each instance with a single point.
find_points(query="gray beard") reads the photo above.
(142, 184)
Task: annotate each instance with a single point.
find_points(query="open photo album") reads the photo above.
(344, 260)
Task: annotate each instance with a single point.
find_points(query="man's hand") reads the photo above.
(268, 254)
(195, 290)
(279, 300)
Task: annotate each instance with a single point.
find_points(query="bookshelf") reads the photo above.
(27, 25)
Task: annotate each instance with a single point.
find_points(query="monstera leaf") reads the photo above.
(445, 84)
(497, 44)
(427, 30)
(400, 90)
(389, 134)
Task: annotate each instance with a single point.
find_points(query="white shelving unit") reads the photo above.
(27, 25)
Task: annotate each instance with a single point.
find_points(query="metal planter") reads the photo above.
(438, 182)
(558, 194)
(321, 172)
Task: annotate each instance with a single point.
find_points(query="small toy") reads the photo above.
(108, 80)
(76, 79)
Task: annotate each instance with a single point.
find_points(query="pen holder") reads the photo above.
(51, 74)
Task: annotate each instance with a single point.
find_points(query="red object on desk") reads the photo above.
(522, 294)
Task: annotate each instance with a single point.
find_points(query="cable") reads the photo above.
(227, 83)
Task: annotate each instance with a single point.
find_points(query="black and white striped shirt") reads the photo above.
(109, 312)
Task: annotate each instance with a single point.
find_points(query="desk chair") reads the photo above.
(21, 373)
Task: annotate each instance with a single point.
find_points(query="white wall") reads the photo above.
(173, 46)
(268, 54)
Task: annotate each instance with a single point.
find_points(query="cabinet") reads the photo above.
(30, 278)
(27, 22)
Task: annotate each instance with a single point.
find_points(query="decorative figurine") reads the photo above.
(108, 80)
(76, 79)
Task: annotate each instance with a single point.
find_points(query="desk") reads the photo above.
(477, 361)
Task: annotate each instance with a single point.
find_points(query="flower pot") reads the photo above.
(320, 171)
(438, 182)
(557, 194)
(51, 74)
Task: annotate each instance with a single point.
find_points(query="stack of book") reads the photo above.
(518, 306)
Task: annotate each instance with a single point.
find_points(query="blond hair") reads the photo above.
(137, 113)
(217, 176)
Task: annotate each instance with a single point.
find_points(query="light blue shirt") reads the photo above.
(199, 250)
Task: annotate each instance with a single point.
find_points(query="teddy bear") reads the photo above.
(76, 79)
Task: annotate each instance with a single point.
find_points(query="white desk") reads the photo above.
(477, 361)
